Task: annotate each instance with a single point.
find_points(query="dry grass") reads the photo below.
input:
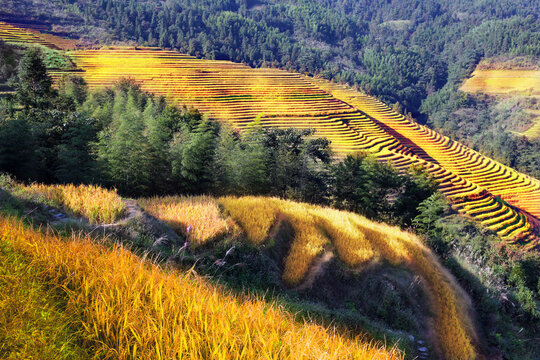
(96, 204)
(200, 214)
(255, 220)
(132, 309)
(358, 240)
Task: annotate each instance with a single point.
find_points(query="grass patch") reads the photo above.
(197, 218)
(53, 59)
(33, 323)
(96, 204)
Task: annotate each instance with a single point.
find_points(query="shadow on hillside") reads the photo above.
(385, 302)
(485, 307)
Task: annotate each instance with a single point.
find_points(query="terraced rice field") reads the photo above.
(498, 82)
(534, 131)
(14, 34)
(508, 82)
(497, 196)
(500, 198)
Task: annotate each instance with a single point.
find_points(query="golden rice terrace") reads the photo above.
(502, 82)
(508, 82)
(14, 34)
(500, 198)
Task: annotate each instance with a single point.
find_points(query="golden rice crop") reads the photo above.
(254, 219)
(200, 214)
(131, 309)
(14, 34)
(356, 241)
(502, 81)
(97, 204)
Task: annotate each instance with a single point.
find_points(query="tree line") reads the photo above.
(401, 51)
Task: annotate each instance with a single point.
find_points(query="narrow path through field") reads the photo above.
(316, 269)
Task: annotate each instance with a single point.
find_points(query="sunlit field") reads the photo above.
(496, 82)
(96, 204)
(358, 241)
(534, 131)
(128, 308)
(507, 83)
(14, 34)
(197, 218)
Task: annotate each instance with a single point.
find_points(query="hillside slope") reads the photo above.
(507, 80)
(502, 199)
(325, 251)
(119, 306)
(319, 252)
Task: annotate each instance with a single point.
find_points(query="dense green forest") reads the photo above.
(415, 53)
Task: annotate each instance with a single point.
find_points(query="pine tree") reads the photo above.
(251, 168)
(223, 167)
(34, 86)
(197, 155)
(75, 161)
(16, 147)
(124, 152)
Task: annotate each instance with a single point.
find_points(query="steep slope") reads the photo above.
(500, 82)
(511, 81)
(106, 301)
(15, 34)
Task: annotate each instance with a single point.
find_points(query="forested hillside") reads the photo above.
(400, 50)
(415, 53)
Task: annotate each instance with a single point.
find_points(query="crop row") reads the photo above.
(13, 34)
(472, 173)
(498, 82)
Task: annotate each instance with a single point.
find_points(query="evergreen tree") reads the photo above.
(74, 87)
(351, 184)
(197, 156)
(17, 147)
(251, 167)
(76, 164)
(417, 187)
(123, 149)
(175, 151)
(225, 166)
(34, 86)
